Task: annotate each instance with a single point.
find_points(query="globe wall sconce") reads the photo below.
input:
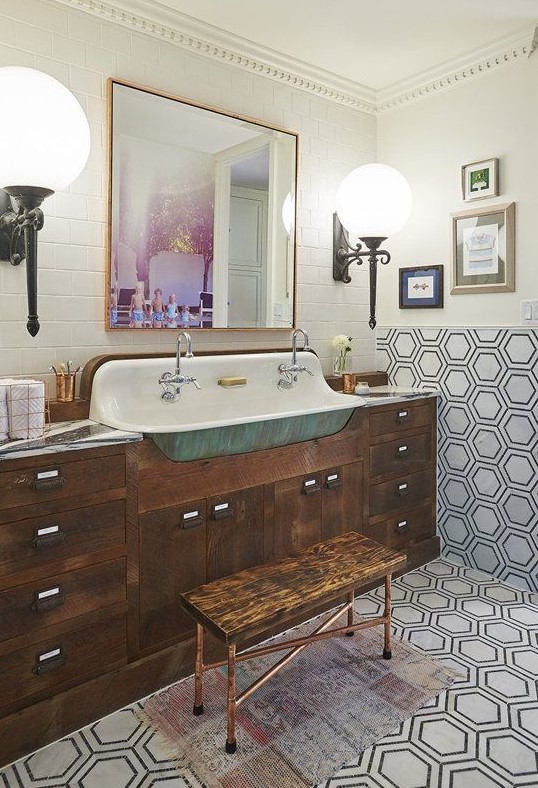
(373, 202)
(44, 146)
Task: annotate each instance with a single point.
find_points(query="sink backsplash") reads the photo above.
(488, 439)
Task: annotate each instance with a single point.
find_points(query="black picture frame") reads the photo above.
(431, 276)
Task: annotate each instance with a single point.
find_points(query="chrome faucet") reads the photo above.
(172, 382)
(290, 372)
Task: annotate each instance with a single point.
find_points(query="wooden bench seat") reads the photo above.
(251, 602)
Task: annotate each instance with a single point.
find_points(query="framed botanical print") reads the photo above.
(480, 180)
(421, 287)
(483, 250)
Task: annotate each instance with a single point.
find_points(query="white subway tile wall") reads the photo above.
(83, 52)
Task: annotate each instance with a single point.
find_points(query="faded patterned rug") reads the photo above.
(333, 701)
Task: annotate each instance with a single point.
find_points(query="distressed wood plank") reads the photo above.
(249, 602)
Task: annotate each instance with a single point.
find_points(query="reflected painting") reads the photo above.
(197, 237)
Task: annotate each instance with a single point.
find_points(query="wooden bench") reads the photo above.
(241, 606)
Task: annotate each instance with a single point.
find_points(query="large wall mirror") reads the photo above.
(202, 216)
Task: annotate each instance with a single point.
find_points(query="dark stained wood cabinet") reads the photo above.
(341, 504)
(401, 490)
(172, 560)
(92, 563)
(297, 514)
(235, 532)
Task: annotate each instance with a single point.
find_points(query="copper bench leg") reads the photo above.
(199, 671)
(387, 653)
(231, 744)
(350, 599)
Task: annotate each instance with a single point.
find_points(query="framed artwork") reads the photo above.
(480, 180)
(483, 250)
(421, 287)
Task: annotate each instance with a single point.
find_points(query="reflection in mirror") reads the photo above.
(202, 217)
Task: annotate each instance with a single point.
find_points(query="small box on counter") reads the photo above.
(22, 409)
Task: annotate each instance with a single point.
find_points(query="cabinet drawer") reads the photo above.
(341, 500)
(297, 513)
(235, 532)
(403, 416)
(32, 486)
(172, 560)
(401, 493)
(37, 542)
(52, 664)
(402, 455)
(31, 607)
(404, 528)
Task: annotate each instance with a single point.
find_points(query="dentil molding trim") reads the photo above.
(458, 71)
(159, 21)
(154, 19)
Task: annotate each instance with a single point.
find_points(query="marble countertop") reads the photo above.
(389, 394)
(67, 436)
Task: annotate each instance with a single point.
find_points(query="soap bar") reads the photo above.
(226, 382)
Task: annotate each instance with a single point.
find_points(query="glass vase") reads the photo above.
(341, 363)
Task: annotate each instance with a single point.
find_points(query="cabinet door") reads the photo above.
(172, 560)
(235, 529)
(297, 514)
(341, 503)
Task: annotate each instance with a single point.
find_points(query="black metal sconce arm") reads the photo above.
(344, 255)
(18, 239)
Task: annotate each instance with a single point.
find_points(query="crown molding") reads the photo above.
(157, 20)
(459, 71)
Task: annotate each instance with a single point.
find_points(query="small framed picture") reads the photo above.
(483, 250)
(480, 180)
(421, 287)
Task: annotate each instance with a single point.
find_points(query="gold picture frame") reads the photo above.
(483, 249)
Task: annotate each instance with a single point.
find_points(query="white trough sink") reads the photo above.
(126, 395)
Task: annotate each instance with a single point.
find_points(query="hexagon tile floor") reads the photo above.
(481, 733)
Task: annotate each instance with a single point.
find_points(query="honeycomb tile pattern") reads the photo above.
(488, 439)
(480, 733)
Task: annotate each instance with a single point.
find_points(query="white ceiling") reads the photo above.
(376, 43)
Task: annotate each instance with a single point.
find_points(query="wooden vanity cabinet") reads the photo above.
(172, 560)
(62, 572)
(94, 556)
(308, 509)
(234, 532)
(401, 494)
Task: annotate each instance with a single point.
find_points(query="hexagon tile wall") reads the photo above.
(488, 439)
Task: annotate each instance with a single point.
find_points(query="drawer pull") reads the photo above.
(48, 537)
(333, 480)
(48, 600)
(221, 511)
(191, 520)
(49, 660)
(403, 416)
(402, 527)
(402, 451)
(402, 490)
(310, 487)
(47, 480)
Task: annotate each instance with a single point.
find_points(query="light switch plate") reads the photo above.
(529, 312)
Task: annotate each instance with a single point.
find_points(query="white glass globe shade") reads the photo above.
(288, 213)
(374, 201)
(45, 137)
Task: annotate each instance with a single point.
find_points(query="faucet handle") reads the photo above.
(193, 380)
(305, 369)
(164, 380)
